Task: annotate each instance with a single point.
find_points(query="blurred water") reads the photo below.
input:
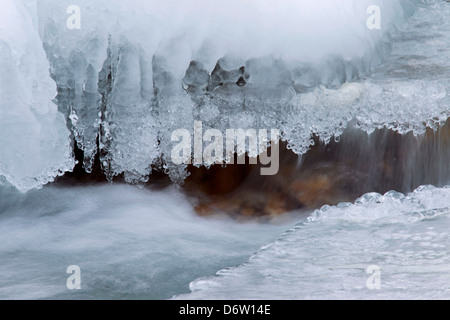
(129, 243)
(138, 243)
(141, 244)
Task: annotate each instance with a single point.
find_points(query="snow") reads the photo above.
(134, 72)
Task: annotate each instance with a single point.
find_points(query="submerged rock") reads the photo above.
(327, 174)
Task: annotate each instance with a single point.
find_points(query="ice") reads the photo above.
(230, 79)
(133, 72)
(130, 139)
(34, 141)
(75, 62)
(327, 256)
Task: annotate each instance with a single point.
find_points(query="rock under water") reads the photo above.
(329, 173)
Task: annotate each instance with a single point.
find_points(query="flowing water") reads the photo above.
(140, 243)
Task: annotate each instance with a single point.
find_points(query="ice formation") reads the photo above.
(133, 72)
(34, 140)
(329, 255)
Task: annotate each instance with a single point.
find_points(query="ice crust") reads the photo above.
(328, 255)
(135, 71)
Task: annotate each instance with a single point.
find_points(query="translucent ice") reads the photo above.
(34, 141)
(130, 73)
